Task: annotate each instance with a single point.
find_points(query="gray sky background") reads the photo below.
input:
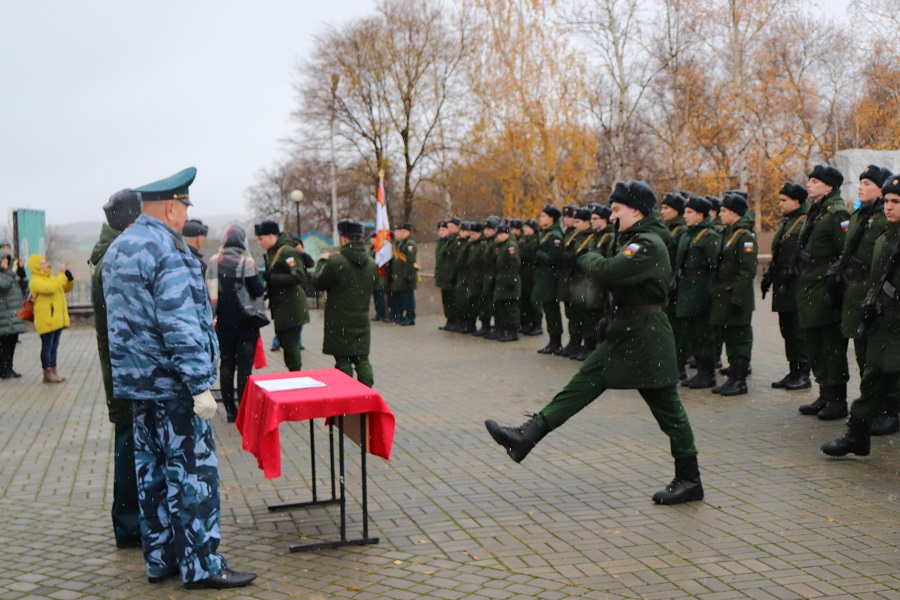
(98, 96)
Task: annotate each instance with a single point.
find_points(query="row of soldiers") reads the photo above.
(825, 288)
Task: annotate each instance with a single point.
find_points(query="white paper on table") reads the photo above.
(291, 383)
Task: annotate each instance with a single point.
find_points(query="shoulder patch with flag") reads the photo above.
(631, 249)
(512, 249)
(409, 248)
(290, 261)
(749, 246)
(557, 242)
(845, 225)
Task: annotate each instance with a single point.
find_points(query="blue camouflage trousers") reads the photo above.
(178, 489)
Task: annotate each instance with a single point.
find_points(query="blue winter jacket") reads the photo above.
(161, 339)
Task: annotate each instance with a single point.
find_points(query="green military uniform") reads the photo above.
(125, 511)
(507, 289)
(532, 312)
(784, 288)
(733, 295)
(349, 279)
(546, 278)
(695, 266)
(446, 256)
(595, 296)
(284, 277)
(404, 281)
(488, 257)
(584, 293)
(473, 279)
(563, 289)
(461, 282)
(820, 245)
(677, 229)
(881, 314)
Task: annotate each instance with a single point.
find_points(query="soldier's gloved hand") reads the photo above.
(833, 285)
(868, 312)
(205, 405)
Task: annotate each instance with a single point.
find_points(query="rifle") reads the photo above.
(872, 309)
(800, 254)
(849, 262)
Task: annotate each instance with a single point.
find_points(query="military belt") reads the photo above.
(625, 312)
(695, 272)
(811, 260)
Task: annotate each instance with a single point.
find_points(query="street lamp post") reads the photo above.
(297, 198)
(335, 79)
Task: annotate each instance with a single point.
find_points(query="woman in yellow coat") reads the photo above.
(51, 314)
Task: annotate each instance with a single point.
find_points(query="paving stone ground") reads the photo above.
(456, 517)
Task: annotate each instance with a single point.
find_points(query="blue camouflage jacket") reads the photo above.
(161, 339)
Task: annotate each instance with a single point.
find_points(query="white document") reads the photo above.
(291, 383)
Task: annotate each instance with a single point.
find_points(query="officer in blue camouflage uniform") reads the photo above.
(164, 355)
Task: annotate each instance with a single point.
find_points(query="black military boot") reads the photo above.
(519, 441)
(494, 334)
(705, 377)
(782, 383)
(485, 329)
(801, 378)
(508, 335)
(467, 326)
(885, 423)
(686, 486)
(718, 389)
(570, 348)
(855, 441)
(682, 373)
(692, 362)
(535, 329)
(553, 347)
(836, 407)
(736, 384)
(586, 350)
(813, 408)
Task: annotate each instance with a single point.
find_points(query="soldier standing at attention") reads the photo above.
(441, 270)
(404, 276)
(695, 268)
(487, 266)
(532, 312)
(733, 293)
(452, 246)
(820, 245)
(507, 286)
(378, 298)
(564, 283)
(284, 277)
(164, 356)
(579, 290)
(123, 208)
(468, 278)
(793, 207)
(348, 277)
(671, 209)
(880, 329)
(595, 295)
(639, 349)
(194, 233)
(546, 275)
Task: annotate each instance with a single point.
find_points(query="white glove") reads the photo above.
(205, 405)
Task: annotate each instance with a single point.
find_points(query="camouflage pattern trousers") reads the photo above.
(178, 489)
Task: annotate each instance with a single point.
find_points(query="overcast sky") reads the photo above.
(98, 96)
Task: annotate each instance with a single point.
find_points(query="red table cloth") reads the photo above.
(261, 413)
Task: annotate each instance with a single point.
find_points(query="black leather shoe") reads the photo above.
(679, 492)
(813, 408)
(885, 423)
(833, 410)
(226, 578)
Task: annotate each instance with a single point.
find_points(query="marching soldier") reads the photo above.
(532, 312)
(848, 278)
(546, 275)
(880, 329)
(507, 286)
(404, 276)
(639, 349)
(733, 294)
(793, 207)
(695, 268)
(820, 245)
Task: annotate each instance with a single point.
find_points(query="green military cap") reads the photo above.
(492, 222)
(174, 187)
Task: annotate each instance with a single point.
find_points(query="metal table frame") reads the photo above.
(336, 498)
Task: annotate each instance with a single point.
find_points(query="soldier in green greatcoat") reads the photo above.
(564, 282)
(671, 209)
(378, 294)
(532, 313)
(404, 276)
(488, 258)
(820, 245)
(507, 285)
(546, 275)
(695, 268)
(348, 279)
(778, 277)
(440, 269)
(461, 277)
(284, 276)
(474, 275)
(579, 289)
(719, 228)
(848, 277)
(733, 294)
(880, 329)
(595, 295)
(639, 349)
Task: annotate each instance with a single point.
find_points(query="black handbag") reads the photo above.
(251, 313)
